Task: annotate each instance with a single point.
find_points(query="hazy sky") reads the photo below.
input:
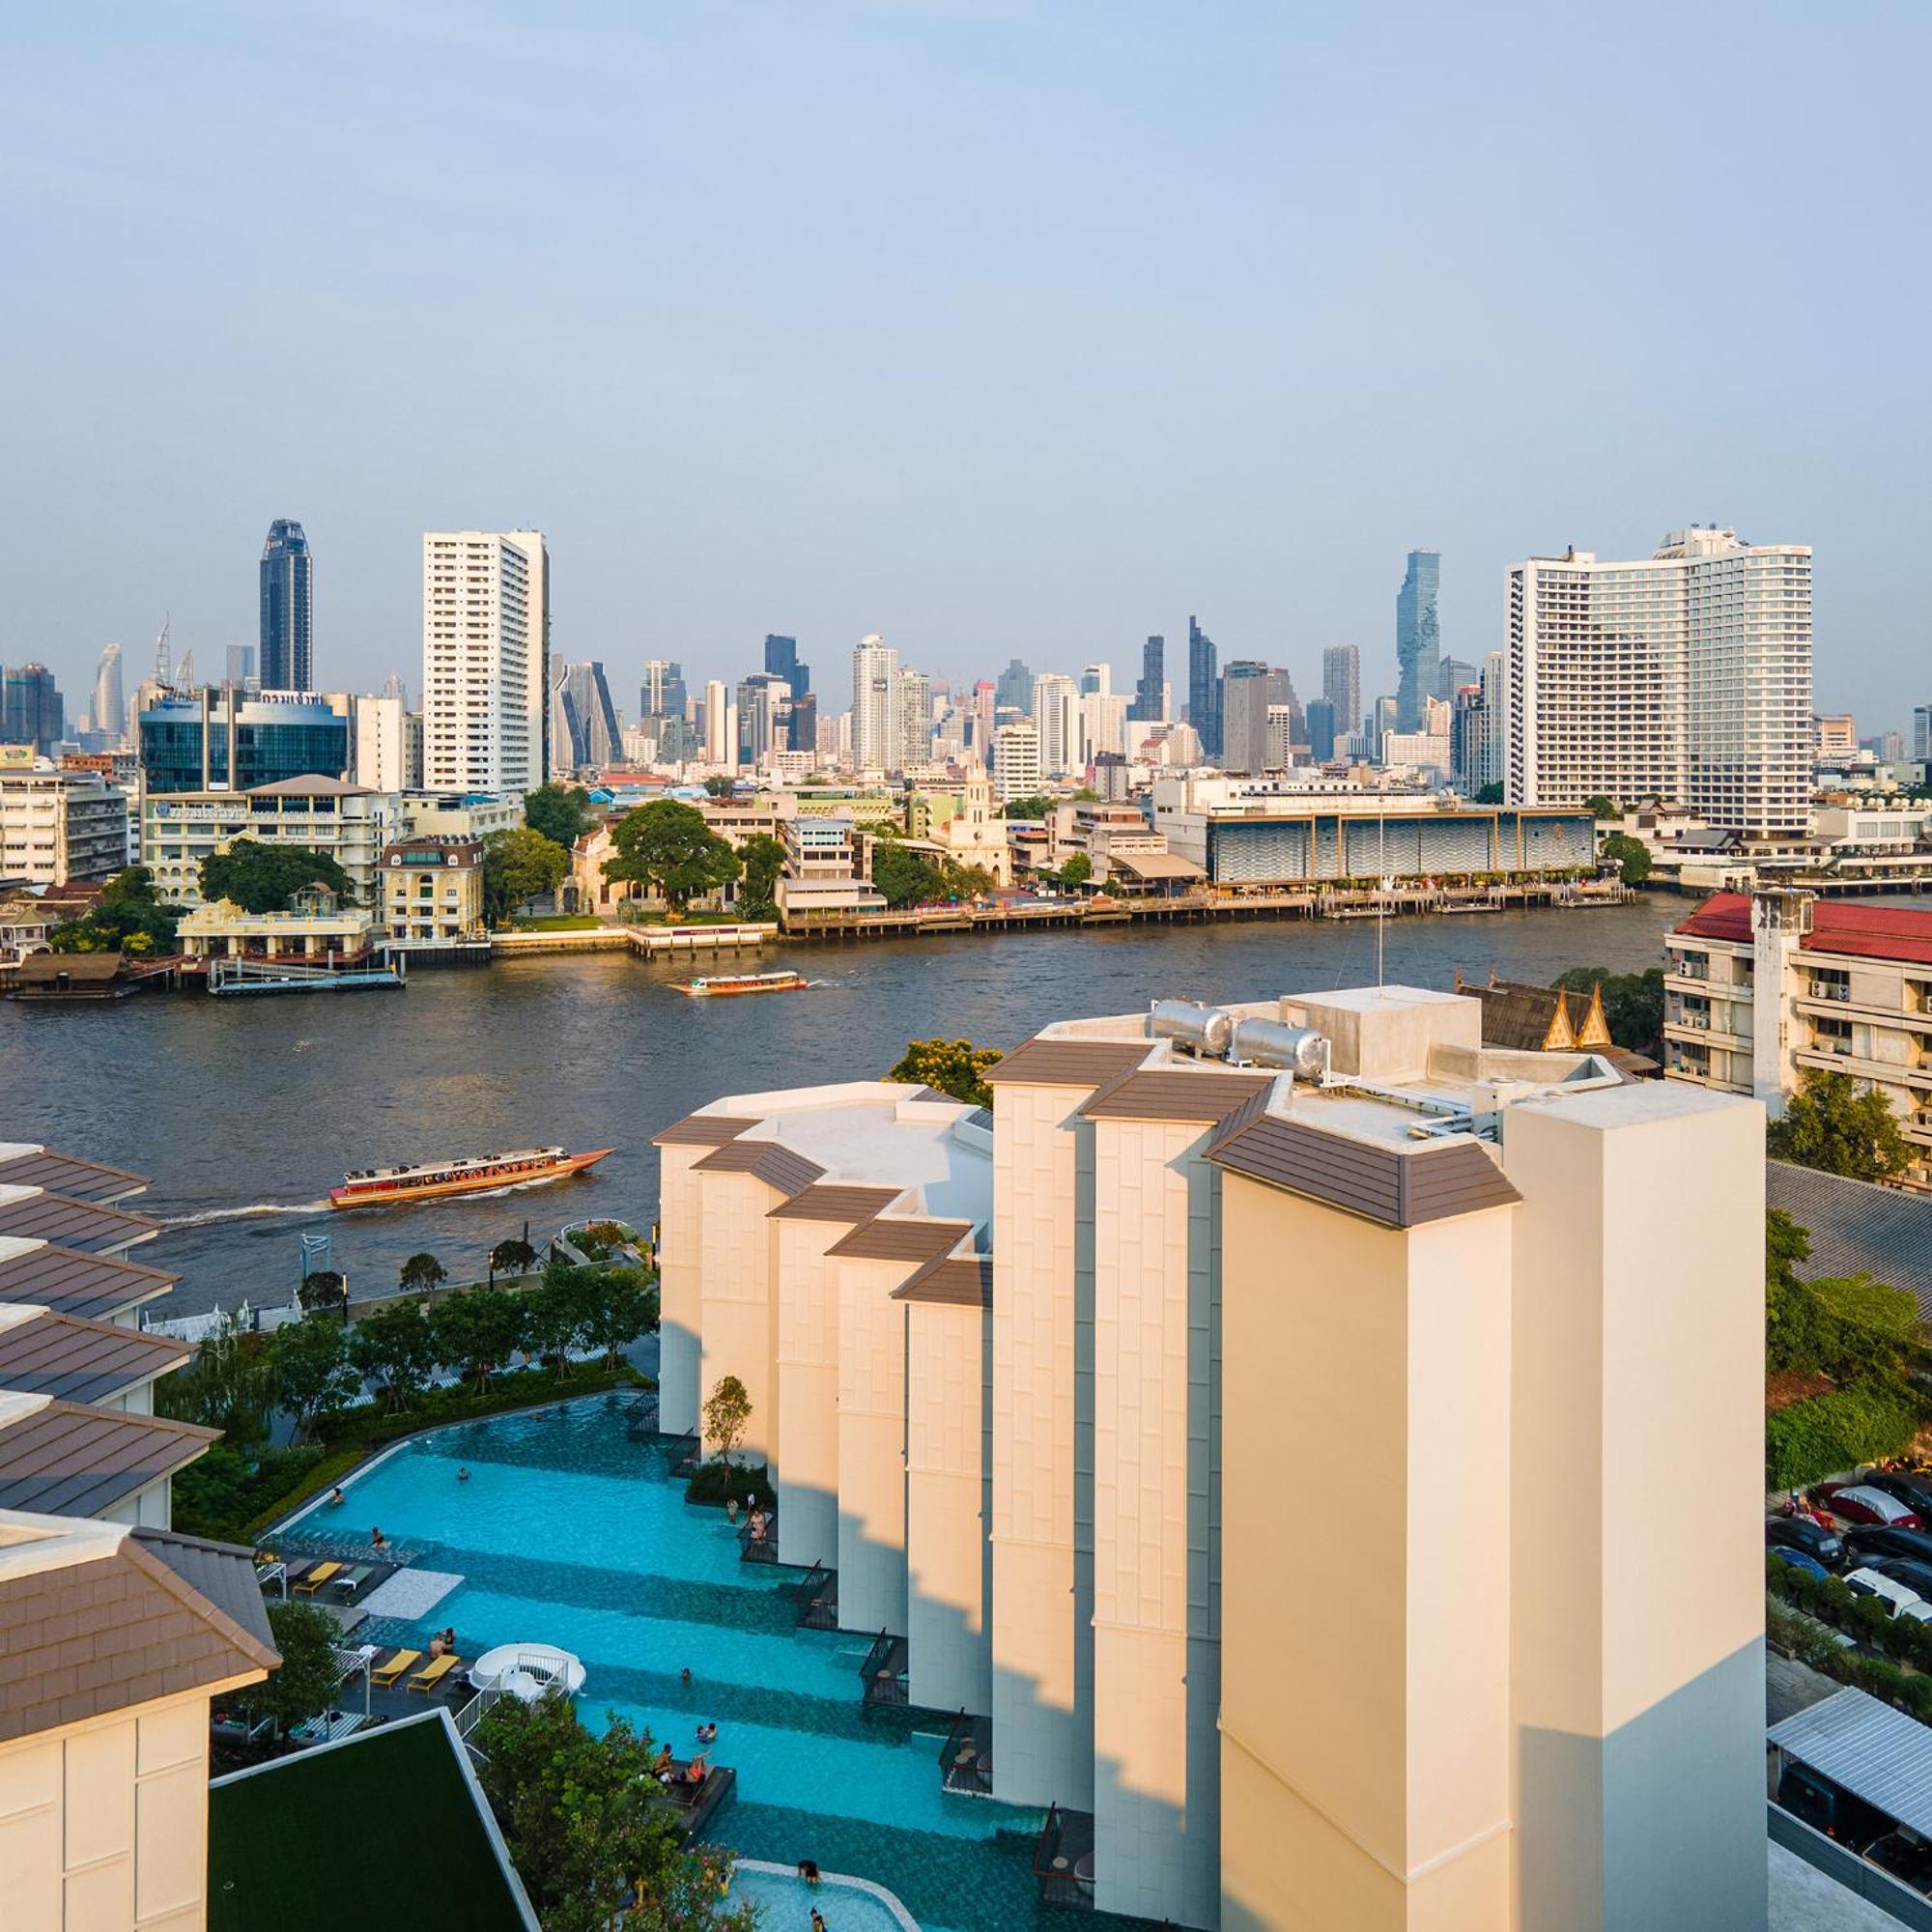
(996, 327)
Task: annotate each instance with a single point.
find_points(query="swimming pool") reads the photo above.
(568, 1532)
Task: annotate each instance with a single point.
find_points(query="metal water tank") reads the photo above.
(1201, 1030)
(1299, 1050)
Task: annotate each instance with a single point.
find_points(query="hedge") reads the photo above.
(714, 1482)
(1829, 1432)
(1832, 1601)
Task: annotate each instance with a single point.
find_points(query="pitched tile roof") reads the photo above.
(152, 1616)
(1175, 1094)
(1858, 1227)
(770, 1161)
(77, 1284)
(64, 1459)
(833, 1201)
(1067, 1063)
(1856, 928)
(45, 1217)
(82, 1361)
(702, 1130)
(901, 1237)
(1397, 1186)
(961, 1281)
(78, 1180)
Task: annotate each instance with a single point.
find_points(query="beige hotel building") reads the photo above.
(1252, 1426)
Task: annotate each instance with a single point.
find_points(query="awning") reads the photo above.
(1868, 1749)
(1154, 866)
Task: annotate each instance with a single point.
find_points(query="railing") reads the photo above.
(641, 1416)
(1063, 1860)
(689, 1455)
(818, 1598)
(966, 1758)
(884, 1671)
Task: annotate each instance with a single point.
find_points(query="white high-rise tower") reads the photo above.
(878, 716)
(486, 660)
(107, 714)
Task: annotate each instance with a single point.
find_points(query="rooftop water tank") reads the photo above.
(1201, 1030)
(1299, 1050)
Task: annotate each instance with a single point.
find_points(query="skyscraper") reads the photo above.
(242, 671)
(1014, 689)
(764, 715)
(486, 661)
(1321, 728)
(108, 712)
(661, 694)
(1096, 680)
(915, 703)
(1685, 677)
(1342, 685)
(288, 609)
(1150, 704)
(1250, 692)
(32, 711)
(1204, 690)
(877, 721)
(1418, 641)
(583, 721)
(720, 733)
(1056, 713)
(781, 661)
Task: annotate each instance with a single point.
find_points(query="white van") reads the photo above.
(1902, 1600)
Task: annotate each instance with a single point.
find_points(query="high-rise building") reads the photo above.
(1056, 713)
(802, 733)
(1150, 704)
(1321, 728)
(584, 721)
(720, 747)
(107, 714)
(661, 694)
(32, 711)
(781, 661)
(1418, 640)
(1685, 677)
(1014, 689)
(1921, 731)
(288, 609)
(1342, 685)
(388, 740)
(1249, 692)
(1381, 721)
(226, 740)
(1452, 675)
(1204, 690)
(486, 661)
(1016, 770)
(915, 703)
(243, 671)
(1103, 725)
(878, 722)
(764, 715)
(1096, 680)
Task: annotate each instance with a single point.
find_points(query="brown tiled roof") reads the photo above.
(163, 1615)
(702, 1130)
(901, 1237)
(77, 1180)
(74, 1224)
(1067, 1063)
(1175, 1094)
(68, 1459)
(50, 968)
(833, 1201)
(770, 1161)
(1397, 1186)
(962, 1281)
(75, 1284)
(82, 1361)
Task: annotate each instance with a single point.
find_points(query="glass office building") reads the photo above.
(225, 740)
(287, 660)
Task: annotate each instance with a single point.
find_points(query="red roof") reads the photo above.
(1854, 928)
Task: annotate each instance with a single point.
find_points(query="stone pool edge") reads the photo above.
(886, 1897)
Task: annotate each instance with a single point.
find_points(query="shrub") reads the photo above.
(716, 1481)
(1864, 1423)
(218, 1494)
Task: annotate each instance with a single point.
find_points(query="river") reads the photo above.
(245, 1111)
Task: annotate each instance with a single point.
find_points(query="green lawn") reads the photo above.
(556, 921)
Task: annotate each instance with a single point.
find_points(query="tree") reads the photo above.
(477, 1330)
(396, 1348)
(560, 812)
(126, 917)
(955, 1066)
(1600, 804)
(720, 787)
(764, 859)
(1035, 807)
(903, 877)
(726, 1411)
(1849, 1327)
(265, 878)
(668, 848)
(621, 1304)
(519, 865)
(422, 1272)
(229, 1386)
(1828, 1123)
(1633, 1002)
(1078, 870)
(313, 1372)
(325, 1288)
(559, 1311)
(1631, 856)
(1489, 794)
(304, 1684)
(515, 1255)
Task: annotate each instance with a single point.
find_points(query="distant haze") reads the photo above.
(998, 328)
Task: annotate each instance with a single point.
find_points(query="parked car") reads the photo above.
(1854, 1502)
(1906, 1570)
(1800, 1559)
(1896, 1597)
(1912, 1490)
(1798, 1532)
(1862, 1545)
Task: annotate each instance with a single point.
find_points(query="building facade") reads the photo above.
(878, 716)
(1342, 685)
(32, 710)
(225, 739)
(1418, 638)
(1017, 767)
(1685, 677)
(433, 890)
(1149, 705)
(1204, 690)
(57, 827)
(288, 610)
(486, 660)
(348, 823)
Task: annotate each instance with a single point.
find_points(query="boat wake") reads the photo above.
(213, 1214)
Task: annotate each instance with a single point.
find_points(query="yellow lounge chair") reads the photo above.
(385, 1674)
(428, 1680)
(316, 1578)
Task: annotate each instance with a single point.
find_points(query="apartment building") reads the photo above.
(1762, 988)
(486, 660)
(433, 890)
(1686, 676)
(57, 827)
(1248, 1429)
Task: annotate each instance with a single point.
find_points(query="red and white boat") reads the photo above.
(379, 1186)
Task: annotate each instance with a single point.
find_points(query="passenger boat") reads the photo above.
(746, 982)
(378, 1187)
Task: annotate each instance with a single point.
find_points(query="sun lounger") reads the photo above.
(299, 1566)
(316, 1578)
(428, 1680)
(352, 1580)
(385, 1674)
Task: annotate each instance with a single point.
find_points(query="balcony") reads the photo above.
(816, 1595)
(1063, 1860)
(966, 1758)
(884, 1672)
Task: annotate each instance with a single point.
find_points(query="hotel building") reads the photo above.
(1248, 1427)
(1686, 676)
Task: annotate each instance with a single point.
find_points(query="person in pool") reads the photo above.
(336, 1499)
(462, 1475)
(707, 1734)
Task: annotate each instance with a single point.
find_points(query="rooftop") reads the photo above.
(39, 1214)
(1856, 928)
(78, 1360)
(65, 1458)
(1858, 1227)
(27, 1164)
(69, 1282)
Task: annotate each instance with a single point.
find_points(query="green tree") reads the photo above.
(1489, 794)
(1078, 870)
(396, 1348)
(903, 877)
(1632, 857)
(313, 1371)
(955, 1066)
(560, 812)
(324, 1289)
(229, 1384)
(620, 1305)
(265, 878)
(764, 859)
(1601, 805)
(128, 917)
(559, 1311)
(1632, 1002)
(668, 848)
(514, 1256)
(1035, 807)
(477, 1330)
(304, 1684)
(517, 866)
(1833, 1125)
(720, 787)
(727, 1408)
(422, 1272)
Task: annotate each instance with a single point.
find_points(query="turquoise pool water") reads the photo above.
(567, 1532)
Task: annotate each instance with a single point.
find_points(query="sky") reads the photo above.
(1002, 329)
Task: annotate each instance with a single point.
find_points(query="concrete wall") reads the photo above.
(738, 1327)
(808, 1384)
(871, 1446)
(680, 1263)
(103, 1826)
